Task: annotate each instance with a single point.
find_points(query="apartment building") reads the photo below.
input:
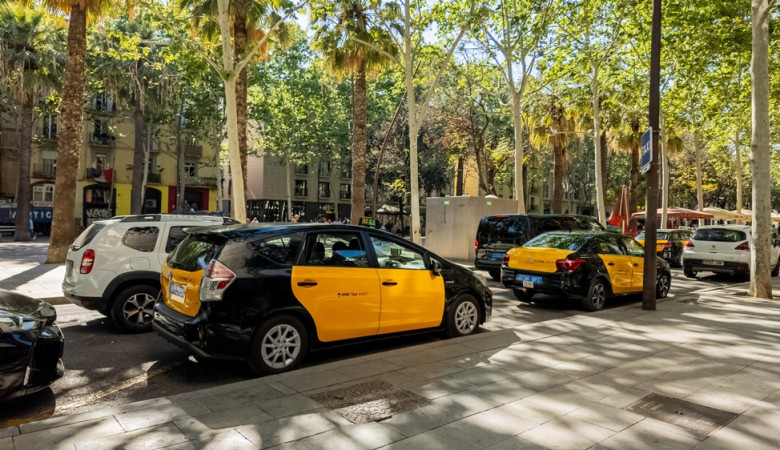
(106, 167)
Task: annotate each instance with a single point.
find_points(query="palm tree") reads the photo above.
(344, 35)
(30, 65)
(69, 139)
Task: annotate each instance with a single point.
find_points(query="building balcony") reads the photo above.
(43, 171)
(200, 181)
(193, 151)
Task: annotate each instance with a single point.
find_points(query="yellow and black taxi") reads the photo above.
(588, 265)
(269, 293)
(669, 244)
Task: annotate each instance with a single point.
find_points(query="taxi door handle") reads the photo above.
(389, 283)
(307, 283)
(610, 264)
(636, 265)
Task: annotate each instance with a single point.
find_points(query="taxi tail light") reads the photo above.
(743, 246)
(216, 278)
(87, 261)
(688, 243)
(505, 259)
(665, 244)
(569, 264)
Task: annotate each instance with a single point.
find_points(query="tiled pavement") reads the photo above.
(563, 383)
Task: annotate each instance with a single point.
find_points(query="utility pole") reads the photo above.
(651, 219)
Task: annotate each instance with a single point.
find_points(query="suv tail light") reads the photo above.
(688, 243)
(87, 260)
(743, 246)
(476, 245)
(569, 264)
(216, 278)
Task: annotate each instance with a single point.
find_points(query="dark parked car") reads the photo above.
(269, 293)
(31, 345)
(591, 266)
(669, 244)
(497, 234)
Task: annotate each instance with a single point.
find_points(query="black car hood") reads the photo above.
(20, 307)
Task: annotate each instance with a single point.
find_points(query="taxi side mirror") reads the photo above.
(436, 267)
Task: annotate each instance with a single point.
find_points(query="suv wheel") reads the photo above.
(279, 345)
(495, 274)
(133, 307)
(463, 317)
(689, 272)
(776, 269)
(523, 295)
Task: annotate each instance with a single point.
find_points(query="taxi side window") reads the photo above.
(392, 255)
(633, 247)
(609, 247)
(335, 250)
(280, 250)
(142, 239)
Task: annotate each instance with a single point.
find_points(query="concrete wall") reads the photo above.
(451, 222)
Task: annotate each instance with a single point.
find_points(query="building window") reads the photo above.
(546, 190)
(324, 191)
(301, 169)
(49, 130)
(43, 193)
(48, 162)
(151, 165)
(324, 168)
(301, 189)
(345, 191)
(346, 170)
(190, 169)
(101, 134)
(102, 102)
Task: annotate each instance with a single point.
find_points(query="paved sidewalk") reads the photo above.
(577, 382)
(23, 270)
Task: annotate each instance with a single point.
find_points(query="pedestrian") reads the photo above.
(295, 218)
(254, 220)
(397, 226)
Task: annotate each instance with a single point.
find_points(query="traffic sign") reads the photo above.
(647, 150)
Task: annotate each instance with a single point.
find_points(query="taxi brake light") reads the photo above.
(688, 243)
(569, 264)
(743, 246)
(665, 244)
(87, 260)
(505, 259)
(216, 278)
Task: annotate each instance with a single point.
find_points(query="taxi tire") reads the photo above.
(464, 312)
(130, 302)
(523, 296)
(662, 285)
(289, 326)
(597, 295)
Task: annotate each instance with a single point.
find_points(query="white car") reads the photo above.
(722, 249)
(114, 265)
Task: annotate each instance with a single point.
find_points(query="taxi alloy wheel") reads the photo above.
(662, 285)
(279, 345)
(463, 317)
(133, 307)
(597, 295)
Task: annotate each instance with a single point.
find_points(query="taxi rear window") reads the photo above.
(194, 253)
(562, 241)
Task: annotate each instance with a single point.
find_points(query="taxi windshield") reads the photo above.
(562, 241)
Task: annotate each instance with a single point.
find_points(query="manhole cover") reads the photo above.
(370, 401)
(698, 418)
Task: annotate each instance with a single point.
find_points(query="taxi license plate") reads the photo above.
(177, 292)
(528, 280)
(711, 262)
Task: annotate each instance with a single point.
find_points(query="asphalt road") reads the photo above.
(105, 367)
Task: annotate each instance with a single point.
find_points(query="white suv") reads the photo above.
(114, 266)
(722, 249)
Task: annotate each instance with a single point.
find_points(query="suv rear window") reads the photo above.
(193, 254)
(567, 224)
(502, 228)
(87, 235)
(719, 235)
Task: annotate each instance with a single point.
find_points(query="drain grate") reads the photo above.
(697, 418)
(370, 401)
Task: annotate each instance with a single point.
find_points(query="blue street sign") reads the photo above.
(647, 150)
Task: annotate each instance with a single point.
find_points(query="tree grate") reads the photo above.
(697, 418)
(370, 401)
